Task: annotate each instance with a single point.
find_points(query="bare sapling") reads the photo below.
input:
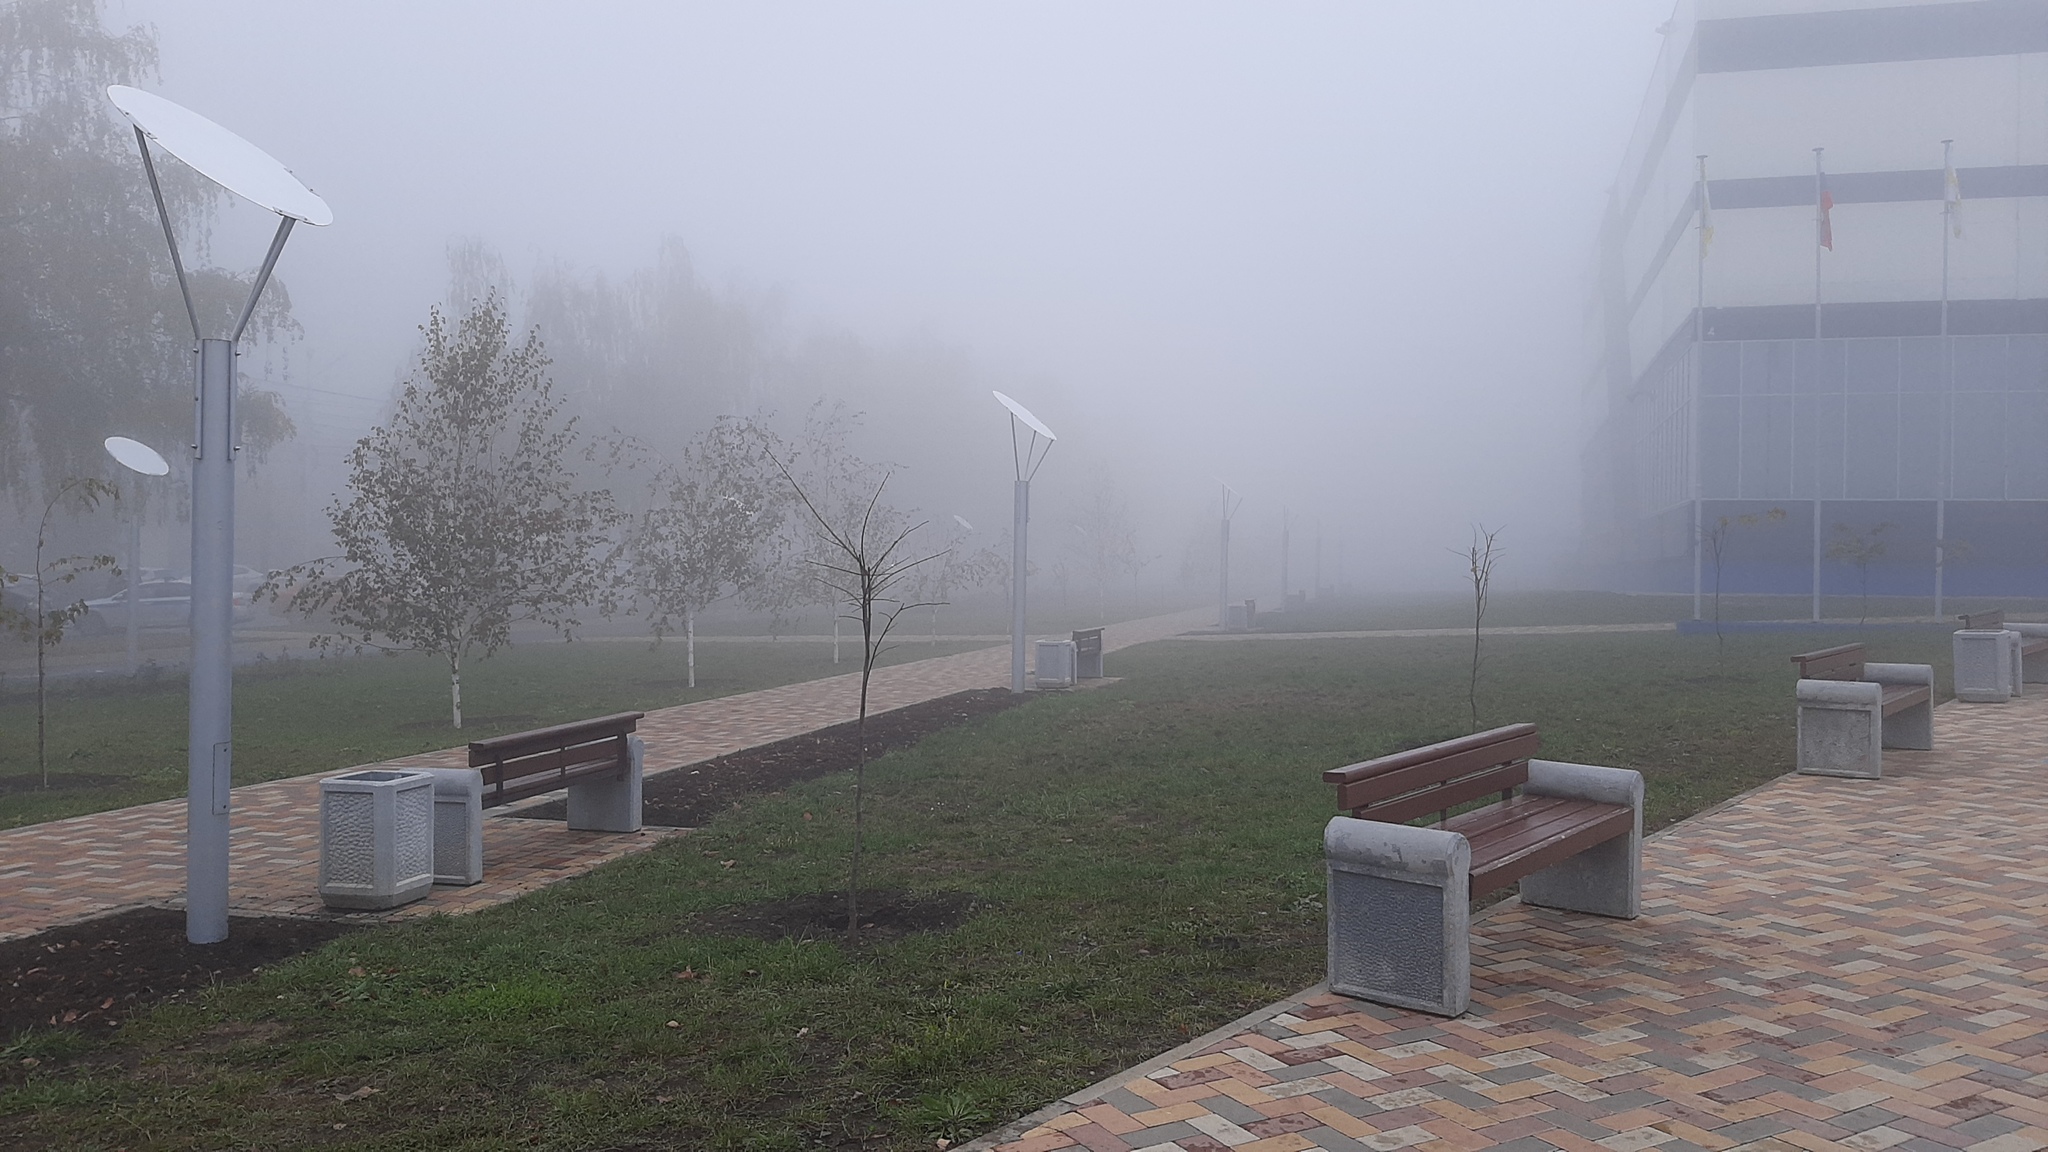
(1480, 557)
(1861, 550)
(46, 622)
(1715, 540)
(863, 560)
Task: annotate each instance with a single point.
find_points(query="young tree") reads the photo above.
(861, 560)
(46, 621)
(1715, 540)
(1861, 549)
(1480, 558)
(1105, 541)
(463, 514)
(713, 529)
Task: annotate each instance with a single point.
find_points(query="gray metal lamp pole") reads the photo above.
(142, 460)
(1027, 457)
(1231, 500)
(249, 172)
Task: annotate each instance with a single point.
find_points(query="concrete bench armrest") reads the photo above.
(1918, 675)
(1841, 693)
(1585, 782)
(2035, 630)
(1396, 849)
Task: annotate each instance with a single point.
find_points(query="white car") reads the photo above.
(161, 604)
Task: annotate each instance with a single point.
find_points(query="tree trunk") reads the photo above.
(690, 643)
(835, 640)
(42, 757)
(455, 687)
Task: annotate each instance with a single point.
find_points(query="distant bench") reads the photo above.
(1851, 709)
(1993, 659)
(599, 762)
(1400, 896)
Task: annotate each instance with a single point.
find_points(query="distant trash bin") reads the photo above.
(1055, 665)
(1985, 662)
(1240, 617)
(376, 838)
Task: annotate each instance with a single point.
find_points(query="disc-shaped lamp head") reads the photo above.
(136, 456)
(221, 156)
(1024, 414)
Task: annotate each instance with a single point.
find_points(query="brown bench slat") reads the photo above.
(1447, 795)
(1899, 697)
(1992, 621)
(580, 732)
(1841, 663)
(535, 785)
(1430, 753)
(1516, 848)
(1364, 795)
(608, 749)
(2033, 645)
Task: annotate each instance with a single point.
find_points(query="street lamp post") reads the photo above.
(249, 172)
(142, 460)
(1230, 502)
(1027, 458)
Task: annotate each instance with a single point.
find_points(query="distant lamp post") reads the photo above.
(142, 460)
(251, 173)
(1231, 501)
(1027, 456)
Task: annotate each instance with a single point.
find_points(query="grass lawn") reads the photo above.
(306, 715)
(1148, 856)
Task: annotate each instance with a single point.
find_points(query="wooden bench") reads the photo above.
(1850, 709)
(1088, 653)
(1399, 900)
(599, 762)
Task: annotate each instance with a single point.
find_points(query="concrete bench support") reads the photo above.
(610, 804)
(1841, 728)
(1606, 879)
(458, 825)
(1909, 727)
(2034, 668)
(1987, 665)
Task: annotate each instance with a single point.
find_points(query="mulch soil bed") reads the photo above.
(96, 973)
(689, 797)
(93, 974)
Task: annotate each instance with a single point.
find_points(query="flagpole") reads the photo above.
(1819, 222)
(1699, 331)
(1820, 227)
(1948, 208)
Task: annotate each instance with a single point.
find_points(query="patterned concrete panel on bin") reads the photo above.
(376, 838)
(1606, 879)
(1841, 728)
(1399, 914)
(611, 804)
(458, 825)
(1984, 665)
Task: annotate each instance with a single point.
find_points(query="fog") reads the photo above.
(1338, 255)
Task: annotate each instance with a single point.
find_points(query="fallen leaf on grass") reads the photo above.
(802, 1032)
(687, 974)
(363, 1093)
(727, 863)
(675, 1023)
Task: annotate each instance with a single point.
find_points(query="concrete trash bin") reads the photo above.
(1055, 665)
(458, 825)
(376, 838)
(1984, 664)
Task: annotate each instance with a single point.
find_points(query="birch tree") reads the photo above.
(713, 530)
(464, 515)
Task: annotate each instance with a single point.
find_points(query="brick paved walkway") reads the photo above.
(68, 870)
(1821, 964)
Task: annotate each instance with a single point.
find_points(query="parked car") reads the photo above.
(161, 604)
